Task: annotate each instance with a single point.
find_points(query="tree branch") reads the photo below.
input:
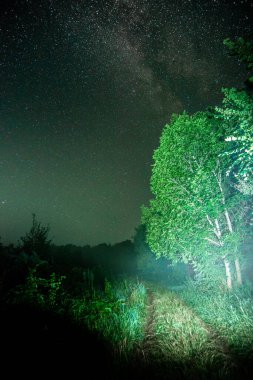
(217, 244)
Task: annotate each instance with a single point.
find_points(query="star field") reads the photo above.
(86, 88)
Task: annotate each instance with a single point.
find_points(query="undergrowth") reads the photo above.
(116, 312)
(230, 314)
(184, 345)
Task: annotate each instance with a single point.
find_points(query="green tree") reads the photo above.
(243, 50)
(190, 218)
(236, 114)
(36, 241)
(236, 117)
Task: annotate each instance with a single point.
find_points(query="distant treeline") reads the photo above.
(113, 259)
(126, 258)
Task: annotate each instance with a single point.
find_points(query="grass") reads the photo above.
(230, 314)
(194, 333)
(117, 313)
(183, 346)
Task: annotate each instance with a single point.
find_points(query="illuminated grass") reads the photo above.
(183, 340)
(230, 314)
(117, 313)
(191, 334)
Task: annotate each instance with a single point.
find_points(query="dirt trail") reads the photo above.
(149, 330)
(176, 338)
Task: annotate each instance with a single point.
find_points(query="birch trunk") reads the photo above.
(228, 274)
(237, 263)
(238, 271)
(231, 230)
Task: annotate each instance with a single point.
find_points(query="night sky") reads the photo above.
(85, 90)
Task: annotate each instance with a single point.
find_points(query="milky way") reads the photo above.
(86, 88)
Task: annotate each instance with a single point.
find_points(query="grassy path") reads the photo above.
(149, 331)
(178, 344)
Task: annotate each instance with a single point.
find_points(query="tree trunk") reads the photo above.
(191, 270)
(238, 271)
(228, 274)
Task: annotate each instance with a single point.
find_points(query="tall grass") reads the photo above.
(230, 314)
(194, 333)
(184, 346)
(117, 313)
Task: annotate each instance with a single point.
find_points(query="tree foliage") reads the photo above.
(196, 213)
(236, 114)
(243, 50)
(193, 216)
(36, 241)
(236, 117)
(188, 151)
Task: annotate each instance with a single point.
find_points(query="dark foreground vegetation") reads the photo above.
(68, 311)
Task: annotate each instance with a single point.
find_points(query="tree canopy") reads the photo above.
(36, 241)
(242, 49)
(196, 213)
(186, 187)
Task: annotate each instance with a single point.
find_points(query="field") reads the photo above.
(128, 329)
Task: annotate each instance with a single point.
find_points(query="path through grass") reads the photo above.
(178, 344)
(151, 332)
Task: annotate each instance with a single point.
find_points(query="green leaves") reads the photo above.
(47, 293)
(36, 240)
(242, 49)
(193, 198)
(201, 162)
(236, 117)
(183, 184)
